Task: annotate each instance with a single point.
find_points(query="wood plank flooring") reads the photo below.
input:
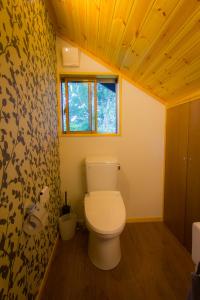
(154, 266)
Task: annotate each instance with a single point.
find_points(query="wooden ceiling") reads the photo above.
(155, 43)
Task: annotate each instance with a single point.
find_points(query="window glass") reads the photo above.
(63, 108)
(78, 106)
(106, 108)
(93, 106)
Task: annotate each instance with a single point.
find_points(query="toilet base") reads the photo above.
(105, 253)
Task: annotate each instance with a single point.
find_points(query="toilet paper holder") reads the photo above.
(36, 214)
(35, 219)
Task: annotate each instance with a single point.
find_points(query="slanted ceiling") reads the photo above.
(155, 43)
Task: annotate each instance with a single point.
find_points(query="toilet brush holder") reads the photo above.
(67, 226)
(66, 208)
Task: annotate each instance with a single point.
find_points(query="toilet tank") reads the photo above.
(101, 173)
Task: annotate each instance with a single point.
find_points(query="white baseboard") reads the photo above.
(44, 280)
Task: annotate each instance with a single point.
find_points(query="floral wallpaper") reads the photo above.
(29, 158)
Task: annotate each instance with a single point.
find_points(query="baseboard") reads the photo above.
(144, 220)
(44, 280)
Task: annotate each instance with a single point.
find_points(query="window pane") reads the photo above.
(78, 106)
(93, 106)
(106, 108)
(63, 97)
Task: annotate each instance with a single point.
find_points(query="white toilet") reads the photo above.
(104, 212)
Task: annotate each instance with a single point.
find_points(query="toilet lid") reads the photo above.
(105, 211)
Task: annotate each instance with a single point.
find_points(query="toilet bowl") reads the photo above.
(105, 216)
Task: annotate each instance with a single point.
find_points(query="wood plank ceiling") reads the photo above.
(155, 43)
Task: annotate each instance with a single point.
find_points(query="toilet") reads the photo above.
(105, 212)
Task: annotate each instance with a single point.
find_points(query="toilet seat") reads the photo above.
(105, 212)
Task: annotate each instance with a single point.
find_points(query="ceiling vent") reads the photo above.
(70, 57)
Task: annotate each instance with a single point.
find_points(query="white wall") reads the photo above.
(140, 149)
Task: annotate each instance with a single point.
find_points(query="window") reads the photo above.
(89, 105)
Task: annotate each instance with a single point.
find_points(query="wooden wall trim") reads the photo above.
(43, 283)
(144, 220)
(190, 98)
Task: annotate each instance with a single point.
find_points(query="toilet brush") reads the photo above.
(66, 207)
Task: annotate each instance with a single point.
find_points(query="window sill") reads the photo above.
(89, 135)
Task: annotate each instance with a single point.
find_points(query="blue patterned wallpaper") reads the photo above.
(29, 157)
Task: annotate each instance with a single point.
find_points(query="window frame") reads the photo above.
(90, 79)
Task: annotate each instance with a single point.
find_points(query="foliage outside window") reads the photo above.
(89, 105)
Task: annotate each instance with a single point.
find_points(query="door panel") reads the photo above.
(176, 169)
(193, 180)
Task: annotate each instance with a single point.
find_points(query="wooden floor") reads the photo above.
(154, 266)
